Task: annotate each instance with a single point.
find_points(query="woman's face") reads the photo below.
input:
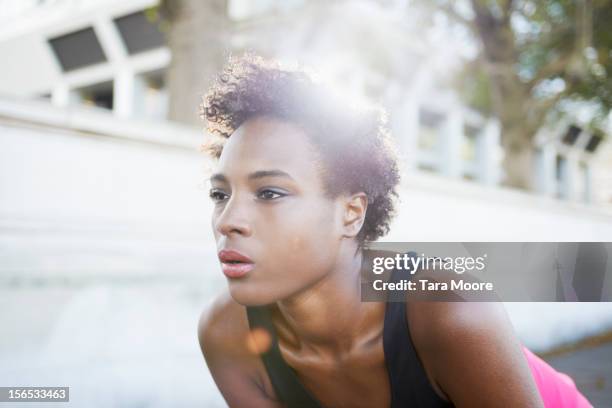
(270, 206)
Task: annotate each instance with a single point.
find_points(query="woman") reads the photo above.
(302, 183)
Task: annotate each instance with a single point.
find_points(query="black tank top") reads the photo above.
(409, 384)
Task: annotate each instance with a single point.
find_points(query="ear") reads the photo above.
(354, 212)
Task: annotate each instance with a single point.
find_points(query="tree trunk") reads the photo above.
(518, 129)
(509, 95)
(199, 40)
(519, 159)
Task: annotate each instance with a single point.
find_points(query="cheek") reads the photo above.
(310, 238)
(313, 223)
(298, 247)
(213, 223)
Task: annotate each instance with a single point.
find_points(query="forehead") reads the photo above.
(265, 143)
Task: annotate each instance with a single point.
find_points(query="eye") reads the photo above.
(268, 194)
(217, 195)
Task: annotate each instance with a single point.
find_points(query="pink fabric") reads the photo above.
(557, 389)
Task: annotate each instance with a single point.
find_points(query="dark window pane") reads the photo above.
(593, 143)
(100, 95)
(138, 33)
(429, 118)
(559, 167)
(103, 99)
(571, 135)
(77, 49)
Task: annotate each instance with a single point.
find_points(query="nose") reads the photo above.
(233, 218)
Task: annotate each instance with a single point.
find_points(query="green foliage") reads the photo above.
(475, 88)
(562, 52)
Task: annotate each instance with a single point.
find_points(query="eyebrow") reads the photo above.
(220, 177)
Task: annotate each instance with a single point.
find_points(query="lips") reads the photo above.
(234, 264)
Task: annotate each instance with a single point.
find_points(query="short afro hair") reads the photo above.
(353, 143)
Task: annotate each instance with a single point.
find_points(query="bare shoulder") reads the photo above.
(448, 331)
(440, 329)
(223, 333)
(469, 350)
(223, 327)
(435, 324)
(451, 315)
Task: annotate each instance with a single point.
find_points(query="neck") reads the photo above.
(329, 316)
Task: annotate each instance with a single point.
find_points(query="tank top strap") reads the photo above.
(284, 378)
(409, 383)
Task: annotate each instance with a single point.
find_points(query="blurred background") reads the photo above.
(500, 110)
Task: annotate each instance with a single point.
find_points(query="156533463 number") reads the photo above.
(38, 394)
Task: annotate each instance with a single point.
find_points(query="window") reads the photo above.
(571, 135)
(593, 143)
(560, 176)
(151, 95)
(138, 32)
(469, 145)
(77, 49)
(429, 130)
(584, 185)
(470, 152)
(100, 95)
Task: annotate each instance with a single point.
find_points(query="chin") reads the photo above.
(248, 295)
